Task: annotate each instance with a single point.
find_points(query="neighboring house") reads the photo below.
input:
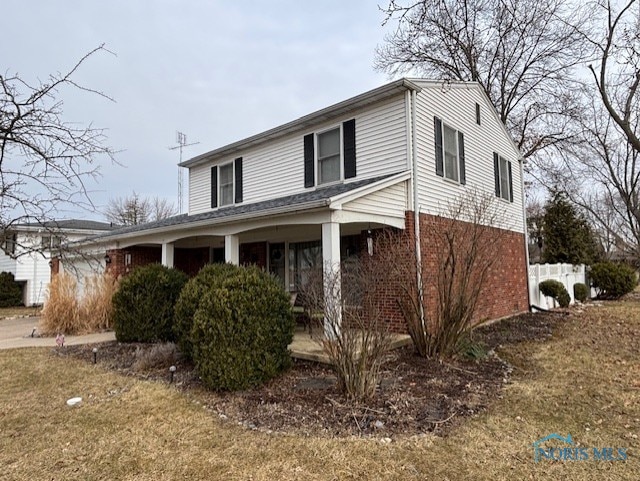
(306, 193)
(26, 251)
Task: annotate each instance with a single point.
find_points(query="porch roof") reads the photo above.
(321, 197)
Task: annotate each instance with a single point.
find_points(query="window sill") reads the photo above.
(328, 184)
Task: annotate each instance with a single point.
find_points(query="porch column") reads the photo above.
(331, 279)
(232, 249)
(167, 254)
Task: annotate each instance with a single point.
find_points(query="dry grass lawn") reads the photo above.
(584, 381)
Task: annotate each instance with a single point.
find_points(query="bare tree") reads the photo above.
(356, 335)
(618, 75)
(602, 175)
(45, 160)
(522, 52)
(162, 209)
(134, 209)
(599, 171)
(440, 317)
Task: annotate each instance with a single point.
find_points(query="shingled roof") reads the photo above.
(71, 224)
(296, 202)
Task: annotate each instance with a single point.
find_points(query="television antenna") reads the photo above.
(181, 140)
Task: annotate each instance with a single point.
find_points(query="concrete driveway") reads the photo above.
(16, 333)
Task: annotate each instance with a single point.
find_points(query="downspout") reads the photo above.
(416, 209)
(526, 237)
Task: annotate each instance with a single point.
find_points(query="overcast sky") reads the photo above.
(219, 71)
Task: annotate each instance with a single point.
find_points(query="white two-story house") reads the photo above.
(26, 251)
(308, 191)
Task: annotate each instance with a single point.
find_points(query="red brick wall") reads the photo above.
(505, 291)
(140, 256)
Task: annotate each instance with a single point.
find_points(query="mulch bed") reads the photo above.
(415, 395)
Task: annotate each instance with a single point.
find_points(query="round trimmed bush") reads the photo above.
(613, 280)
(555, 289)
(580, 292)
(241, 331)
(210, 276)
(143, 305)
(10, 290)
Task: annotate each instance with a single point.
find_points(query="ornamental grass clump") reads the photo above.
(60, 311)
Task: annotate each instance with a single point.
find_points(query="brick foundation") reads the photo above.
(506, 291)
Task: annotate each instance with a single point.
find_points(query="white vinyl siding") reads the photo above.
(276, 169)
(199, 188)
(457, 107)
(391, 201)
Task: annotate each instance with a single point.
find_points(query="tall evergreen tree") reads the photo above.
(568, 237)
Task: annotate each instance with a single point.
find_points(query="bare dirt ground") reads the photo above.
(415, 395)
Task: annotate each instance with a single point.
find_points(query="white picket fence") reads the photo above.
(568, 274)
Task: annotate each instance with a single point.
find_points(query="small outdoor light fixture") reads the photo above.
(95, 355)
(107, 259)
(172, 371)
(370, 242)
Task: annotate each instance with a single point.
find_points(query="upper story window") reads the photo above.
(449, 152)
(503, 177)
(226, 184)
(330, 155)
(48, 242)
(8, 243)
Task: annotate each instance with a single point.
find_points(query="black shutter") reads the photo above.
(214, 187)
(438, 146)
(510, 183)
(237, 168)
(496, 173)
(463, 172)
(349, 139)
(309, 177)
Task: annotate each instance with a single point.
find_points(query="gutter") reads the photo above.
(416, 209)
(526, 237)
(207, 222)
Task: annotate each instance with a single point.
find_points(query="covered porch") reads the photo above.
(288, 237)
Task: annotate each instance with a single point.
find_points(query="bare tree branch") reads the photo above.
(45, 160)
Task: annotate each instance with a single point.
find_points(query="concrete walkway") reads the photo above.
(16, 333)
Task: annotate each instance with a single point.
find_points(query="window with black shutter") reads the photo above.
(503, 177)
(330, 155)
(449, 152)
